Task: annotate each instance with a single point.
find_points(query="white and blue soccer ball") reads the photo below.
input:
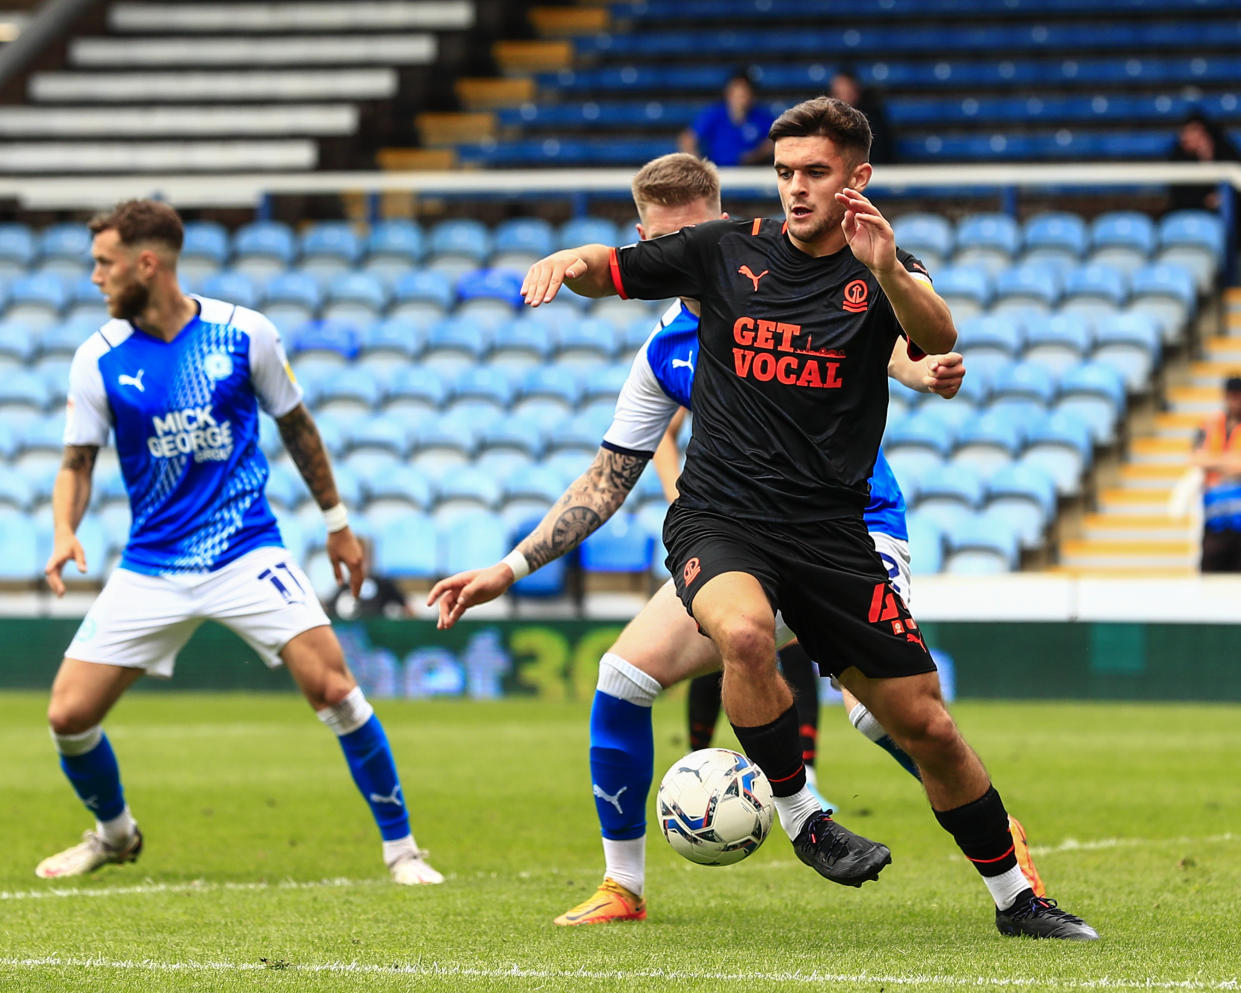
(715, 806)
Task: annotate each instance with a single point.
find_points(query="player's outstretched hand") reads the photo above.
(546, 276)
(344, 549)
(867, 231)
(945, 374)
(64, 548)
(457, 594)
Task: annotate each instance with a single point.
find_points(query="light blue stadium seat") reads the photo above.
(591, 231)
(90, 533)
(347, 485)
(524, 343)
(968, 290)
(1028, 283)
(407, 547)
(36, 300)
(455, 344)
(493, 283)
(378, 434)
(1168, 292)
(205, 240)
(462, 238)
(421, 294)
(605, 383)
(928, 236)
(989, 334)
(1094, 289)
(989, 240)
(16, 493)
(329, 341)
(512, 434)
(484, 383)
(1096, 394)
(85, 302)
(987, 443)
(440, 442)
(358, 297)
(622, 544)
(1023, 381)
(587, 342)
(11, 432)
(64, 248)
(635, 332)
(17, 249)
(394, 247)
(285, 488)
(1055, 236)
(1196, 240)
(1059, 341)
(566, 309)
(397, 491)
(549, 382)
(982, 546)
(18, 343)
(926, 544)
(1124, 239)
(369, 462)
(232, 286)
(291, 298)
(23, 390)
(46, 434)
(1130, 343)
(415, 392)
(472, 540)
(395, 339)
(946, 490)
(575, 436)
(1025, 495)
(529, 492)
(263, 248)
(520, 242)
(329, 247)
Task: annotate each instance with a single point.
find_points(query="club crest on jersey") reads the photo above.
(857, 295)
(217, 366)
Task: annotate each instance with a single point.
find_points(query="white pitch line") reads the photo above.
(193, 886)
(435, 969)
(1072, 845)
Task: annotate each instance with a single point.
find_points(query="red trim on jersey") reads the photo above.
(614, 268)
(914, 352)
(758, 223)
(784, 228)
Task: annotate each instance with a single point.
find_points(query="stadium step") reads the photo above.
(1127, 554)
(1129, 501)
(409, 159)
(449, 128)
(550, 55)
(561, 22)
(1136, 527)
(1200, 400)
(487, 93)
(1177, 424)
(1150, 475)
(1159, 451)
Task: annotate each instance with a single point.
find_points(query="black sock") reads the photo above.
(773, 747)
(803, 676)
(981, 831)
(704, 709)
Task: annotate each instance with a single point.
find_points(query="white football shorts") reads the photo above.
(143, 621)
(895, 555)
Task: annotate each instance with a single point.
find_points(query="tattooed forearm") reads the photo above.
(305, 447)
(586, 504)
(80, 458)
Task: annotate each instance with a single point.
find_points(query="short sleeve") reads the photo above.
(671, 266)
(88, 417)
(274, 383)
(643, 411)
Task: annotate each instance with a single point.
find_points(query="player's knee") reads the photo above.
(746, 641)
(929, 731)
(68, 717)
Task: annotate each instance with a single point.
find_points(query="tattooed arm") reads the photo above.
(589, 501)
(70, 495)
(305, 447)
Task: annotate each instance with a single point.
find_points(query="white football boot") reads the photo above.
(88, 855)
(414, 870)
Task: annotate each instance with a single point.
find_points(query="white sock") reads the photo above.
(396, 850)
(864, 721)
(1006, 887)
(795, 810)
(625, 862)
(119, 830)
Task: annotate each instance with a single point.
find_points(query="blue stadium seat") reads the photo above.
(622, 544)
(982, 546)
(263, 248)
(394, 247)
(407, 547)
(16, 493)
(605, 383)
(1029, 283)
(85, 302)
(484, 383)
(232, 286)
(19, 550)
(928, 236)
(493, 283)
(401, 489)
(926, 544)
(285, 488)
(966, 289)
(1130, 343)
(523, 343)
(1025, 495)
(448, 442)
(414, 392)
(459, 238)
(291, 298)
(1060, 341)
(454, 344)
(470, 541)
(36, 300)
(1095, 393)
(989, 334)
(18, 343)
(512, 434)
(17, 249)
(422, 294)
(591, 231)
(589, 341)
(370, 462)
(359, 297)
(577, 436)
(520, 242)
(23, 390)
(396, 339)
(541, 414)
(529, 492)
(986, 443)
(329, 247)
(1094, 289)
(989, 240)
(46, 434)
(1023, 381)
(1168, 292)
(205, 240)
(69, 243)
(1196, 240)
(378, 434)
(1124, 239)
(1056, 237)
(948, 489)
(325, 339)
(94, 541)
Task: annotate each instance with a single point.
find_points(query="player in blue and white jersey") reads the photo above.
(661, 645)
(180, 381)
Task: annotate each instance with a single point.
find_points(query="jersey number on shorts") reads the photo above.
(280, 584)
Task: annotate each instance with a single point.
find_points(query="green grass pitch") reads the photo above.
(262, 866)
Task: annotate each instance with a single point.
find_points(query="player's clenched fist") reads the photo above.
(945, 374)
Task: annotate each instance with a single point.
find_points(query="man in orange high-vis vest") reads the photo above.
(1218, 453)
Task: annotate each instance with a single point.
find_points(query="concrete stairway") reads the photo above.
(1131, 531)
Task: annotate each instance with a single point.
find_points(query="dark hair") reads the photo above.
(846, 126)
(141, 220)
(1232, 384)
(745, 73)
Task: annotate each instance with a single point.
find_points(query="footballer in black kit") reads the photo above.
(790, 401)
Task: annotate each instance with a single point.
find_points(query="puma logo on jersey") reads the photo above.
(684, 363)
(613, 800)
(135, 381)
(746, 271)
(393, 798)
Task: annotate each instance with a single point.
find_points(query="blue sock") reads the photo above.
(96, 779)
(373, 769)
(901, 756)
(622, 764)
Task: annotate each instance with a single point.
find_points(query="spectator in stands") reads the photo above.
(847, 87)
(1200, 139)
(732, 131)
(1218, 453)
(378, 597)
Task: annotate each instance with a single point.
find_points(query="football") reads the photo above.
(715, 806)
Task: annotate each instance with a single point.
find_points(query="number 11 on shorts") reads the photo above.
(270, 576)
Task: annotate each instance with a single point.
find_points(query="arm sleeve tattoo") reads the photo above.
(80, 458)
(586, 504)
(305, 447)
